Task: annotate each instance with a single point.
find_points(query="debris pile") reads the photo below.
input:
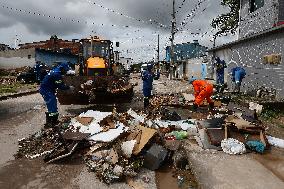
(175, 100)
(110, 84)
(37, 145)
(115, 146)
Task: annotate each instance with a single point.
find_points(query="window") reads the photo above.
(256, 4)
(29, 56)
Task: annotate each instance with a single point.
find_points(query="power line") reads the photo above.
(150, 21)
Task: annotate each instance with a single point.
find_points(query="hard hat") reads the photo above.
(192, 79)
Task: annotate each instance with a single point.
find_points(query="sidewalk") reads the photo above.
(217, 170)
(19, 94)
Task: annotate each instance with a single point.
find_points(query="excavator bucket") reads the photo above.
(96, 90)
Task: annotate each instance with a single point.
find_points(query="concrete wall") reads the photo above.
(249, 54)
(17, 58)
(126, 62)
(262, 19)
(281, 12)
(195, 68)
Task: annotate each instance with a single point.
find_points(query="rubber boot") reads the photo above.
(146, 102)
(237, 87)
(48, 122)
(54, 119)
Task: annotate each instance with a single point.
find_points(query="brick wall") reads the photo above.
(54, 45)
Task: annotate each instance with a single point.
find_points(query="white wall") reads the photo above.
(17, 58)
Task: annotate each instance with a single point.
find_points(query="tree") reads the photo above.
(228, 22)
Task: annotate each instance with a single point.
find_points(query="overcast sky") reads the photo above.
(35, 20)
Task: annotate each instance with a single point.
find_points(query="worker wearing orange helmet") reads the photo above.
(202, 90)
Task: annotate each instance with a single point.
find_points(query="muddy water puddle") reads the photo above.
(24, 173)
(273, 160)
(169, 178)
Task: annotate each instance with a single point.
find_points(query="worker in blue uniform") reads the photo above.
(148, 76)
(238, 74)
(220, 66)
(52, 81)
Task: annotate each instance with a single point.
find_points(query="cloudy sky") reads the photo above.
(134, 23)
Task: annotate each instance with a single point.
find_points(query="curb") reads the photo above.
(5, 97)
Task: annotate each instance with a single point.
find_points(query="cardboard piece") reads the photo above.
(217, 103)
(114, 156)
(85, 120)
(146, 135)
(135, 135)
(76, 136)
(239, 122)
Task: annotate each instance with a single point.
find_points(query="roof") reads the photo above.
(275, 29)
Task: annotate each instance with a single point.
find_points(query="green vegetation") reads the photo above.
(15, 87)
(269, 114)
(229, 22)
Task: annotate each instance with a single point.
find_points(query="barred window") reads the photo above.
(256, 4)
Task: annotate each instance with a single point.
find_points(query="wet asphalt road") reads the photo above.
(23, 116)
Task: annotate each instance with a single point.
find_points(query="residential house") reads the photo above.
(188, 59)
(27, 57)
(55, 44)
(126, 62)
(259, 48)
(4, 47)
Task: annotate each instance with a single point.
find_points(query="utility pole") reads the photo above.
(214, 56)
(158, 50)
(172, 40)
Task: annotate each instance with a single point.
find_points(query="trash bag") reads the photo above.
(256, 146)
(233, 146)
(179, 135)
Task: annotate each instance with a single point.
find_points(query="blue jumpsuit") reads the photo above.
(51, 82)
(147, 78)
(220, 67)
(238, 75)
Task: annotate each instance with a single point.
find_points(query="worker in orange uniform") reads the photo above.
(202, 90)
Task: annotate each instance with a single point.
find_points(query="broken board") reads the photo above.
(146, 135)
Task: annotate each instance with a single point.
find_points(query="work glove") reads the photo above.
(70, 72)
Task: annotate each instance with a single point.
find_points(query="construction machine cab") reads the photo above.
(98, 57)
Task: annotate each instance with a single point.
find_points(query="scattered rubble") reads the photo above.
(115, 146)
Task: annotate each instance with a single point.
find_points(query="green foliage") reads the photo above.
(228, 22)
(269, 114)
